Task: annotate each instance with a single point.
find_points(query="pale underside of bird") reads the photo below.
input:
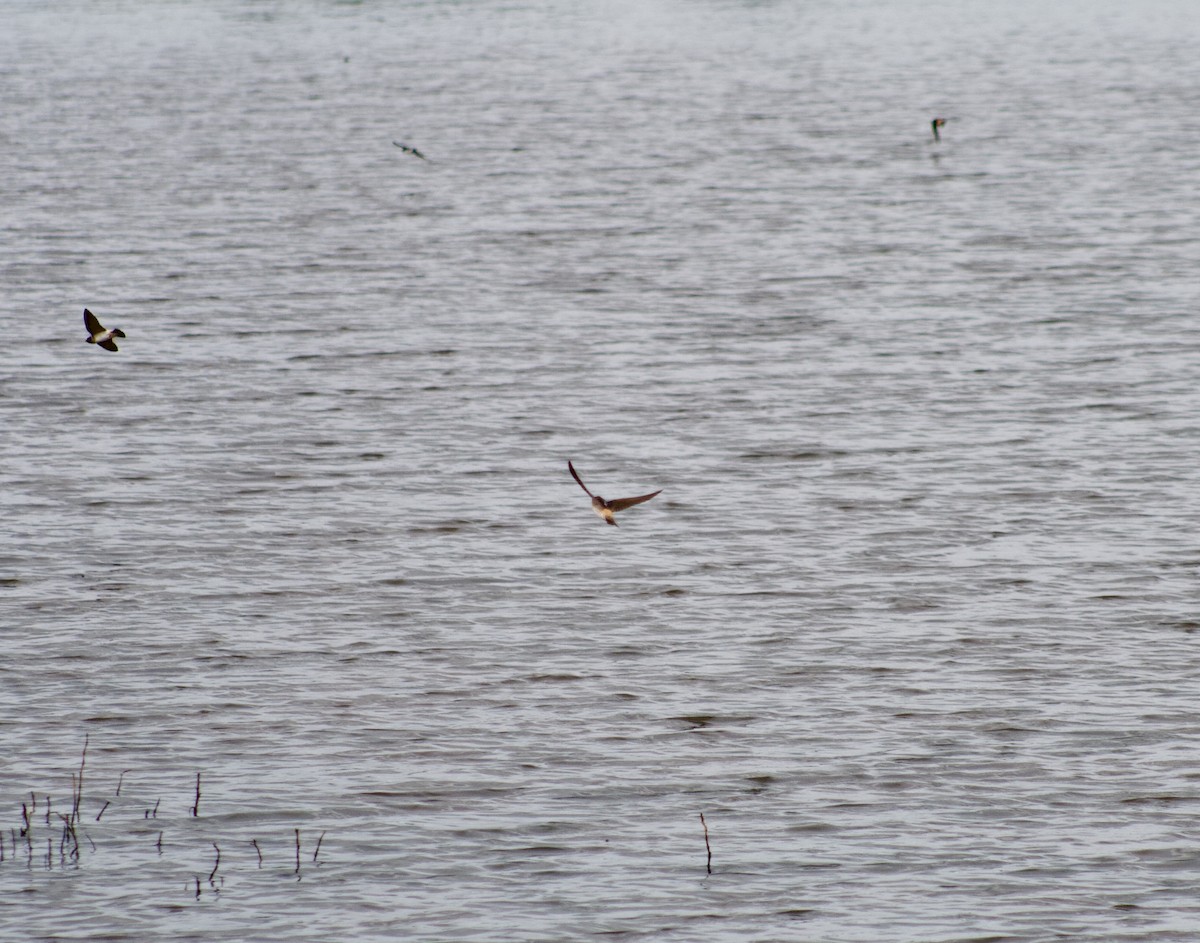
(606, 509)
(97, 334)
(410, 150)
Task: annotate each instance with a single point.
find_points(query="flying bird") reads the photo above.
(97, 334)
(935, 124)
(410, 150)
(606, 509)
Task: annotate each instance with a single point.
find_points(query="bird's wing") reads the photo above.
(575, 475)
(620, 504)
(108, 344)
(117, 332)
(91, 322)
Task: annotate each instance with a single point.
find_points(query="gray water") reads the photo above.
(913, 623)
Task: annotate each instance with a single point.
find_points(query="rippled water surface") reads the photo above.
(913, 622)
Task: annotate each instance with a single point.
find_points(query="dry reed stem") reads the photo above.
(78, 791)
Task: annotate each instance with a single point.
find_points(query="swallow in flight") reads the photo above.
(410, 150)
(606, 509)
(97, 334)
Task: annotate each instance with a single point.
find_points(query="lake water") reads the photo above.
(913, 623)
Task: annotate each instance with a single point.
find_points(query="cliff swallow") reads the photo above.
(606, 509)
(935, 124)
(410, 150)
(97, 334)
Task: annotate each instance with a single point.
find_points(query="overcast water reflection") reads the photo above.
(912, 623)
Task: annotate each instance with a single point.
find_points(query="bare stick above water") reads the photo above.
(196, 806)
(706, 844)
(297, 851)
(121, 779)
(213, 873)
(317, 850)
(68, 832)
(101, 812)
(254, 842)
(79, 782)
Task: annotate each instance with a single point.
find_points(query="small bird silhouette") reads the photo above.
(410, 150)
(606, 509)
(935, 124)
(97, 334)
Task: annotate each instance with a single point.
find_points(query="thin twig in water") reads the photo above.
(69, 832)
(65, 819)
(213, 873)
(297, 851)
(317, 850)
(101, 812)
(79, 789)
(121, 779)
(706, 844)
(47, 810)
(196, 806)
(254, 842)
(158, 844)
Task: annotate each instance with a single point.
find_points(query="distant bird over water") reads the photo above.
(410, 150)
(935, 124)
(97, 334)
(606, 509)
